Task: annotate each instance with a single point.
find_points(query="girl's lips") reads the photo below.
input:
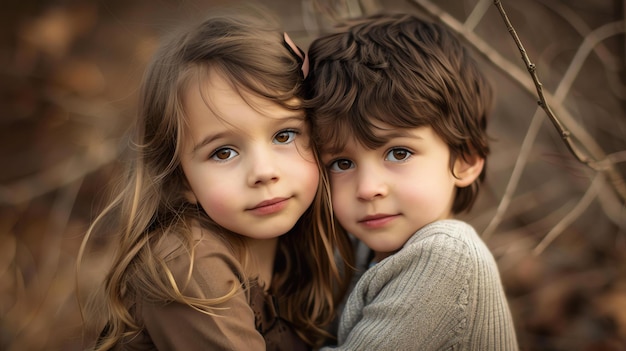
(269, 206)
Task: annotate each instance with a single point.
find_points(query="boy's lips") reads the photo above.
(377, 220)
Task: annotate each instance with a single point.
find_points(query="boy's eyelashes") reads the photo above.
(398, 154)
(394, 154)
(340, 165)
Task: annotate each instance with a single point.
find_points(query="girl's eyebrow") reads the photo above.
(208, 139)
(298, 117)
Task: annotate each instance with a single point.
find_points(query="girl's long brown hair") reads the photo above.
(150, 205)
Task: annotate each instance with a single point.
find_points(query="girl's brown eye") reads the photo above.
(285, 137)
(282, 137)
(223, 154)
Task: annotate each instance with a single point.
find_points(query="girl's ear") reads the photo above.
(191, 197)
(188, 193)
(467, 170)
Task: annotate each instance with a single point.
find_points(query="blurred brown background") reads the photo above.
(69, 76)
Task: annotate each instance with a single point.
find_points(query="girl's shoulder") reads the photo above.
(179, 241)
(202, 262)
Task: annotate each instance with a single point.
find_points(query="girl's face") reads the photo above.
(251, 169)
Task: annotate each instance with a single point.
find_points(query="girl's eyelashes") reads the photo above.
(285, 136)
(340, 165)
(223, 154)
(398, 154)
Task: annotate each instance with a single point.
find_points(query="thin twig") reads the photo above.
(518, 169)
(532, 69)
(586, 47)
(559, 8)
(476, 15)
(591, 40)
(571, 216)
(517, 75)
(612, 64)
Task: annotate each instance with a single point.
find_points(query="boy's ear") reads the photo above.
(467, 169)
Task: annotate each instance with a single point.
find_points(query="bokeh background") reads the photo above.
(69, 73)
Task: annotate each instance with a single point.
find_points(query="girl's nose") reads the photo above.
(263, 169)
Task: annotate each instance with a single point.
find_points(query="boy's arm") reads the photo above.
(435, 293)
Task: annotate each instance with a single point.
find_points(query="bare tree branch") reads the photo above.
(518, 169)
(571, 216)
(476, 15)
(531, 86)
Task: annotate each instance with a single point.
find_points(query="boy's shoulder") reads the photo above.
(446, 240)
(446, 230)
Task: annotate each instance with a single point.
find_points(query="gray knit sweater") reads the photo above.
(441, 291)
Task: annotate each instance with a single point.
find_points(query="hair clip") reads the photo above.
(303, 59)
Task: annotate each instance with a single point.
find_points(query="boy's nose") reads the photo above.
(371, 185)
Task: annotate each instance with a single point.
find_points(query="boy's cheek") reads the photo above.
(341, 200)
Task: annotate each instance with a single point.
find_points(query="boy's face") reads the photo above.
(384, 195)
(251, 169)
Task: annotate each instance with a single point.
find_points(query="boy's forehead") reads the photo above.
(368, 132)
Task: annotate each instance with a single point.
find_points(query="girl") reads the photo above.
(223, 229)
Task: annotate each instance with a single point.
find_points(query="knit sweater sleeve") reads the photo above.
(441, 291)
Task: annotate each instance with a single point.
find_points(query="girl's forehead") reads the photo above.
(217, 96)
(218, 88)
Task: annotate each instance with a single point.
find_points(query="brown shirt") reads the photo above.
(250, 320)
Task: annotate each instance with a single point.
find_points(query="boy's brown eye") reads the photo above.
(400, 154)
(340, 165)
(344, 164)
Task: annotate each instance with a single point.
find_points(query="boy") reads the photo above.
(400, 115)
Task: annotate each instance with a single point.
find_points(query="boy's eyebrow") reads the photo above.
(398, 133)
(384, 136)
